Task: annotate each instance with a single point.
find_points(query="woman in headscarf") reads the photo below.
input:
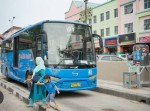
(38, 92)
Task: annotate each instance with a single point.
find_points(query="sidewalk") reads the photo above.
(116, 89)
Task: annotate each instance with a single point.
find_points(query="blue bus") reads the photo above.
(67, 49)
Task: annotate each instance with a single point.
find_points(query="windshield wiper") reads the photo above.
(61, 62)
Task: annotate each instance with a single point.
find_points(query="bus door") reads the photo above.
(15, 56)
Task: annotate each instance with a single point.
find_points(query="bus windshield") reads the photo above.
(67, 45)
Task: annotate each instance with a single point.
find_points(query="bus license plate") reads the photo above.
(75, 85)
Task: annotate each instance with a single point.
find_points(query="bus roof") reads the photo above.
(40, 23)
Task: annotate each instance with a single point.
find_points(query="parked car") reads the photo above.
(123, 56)
(108, 58)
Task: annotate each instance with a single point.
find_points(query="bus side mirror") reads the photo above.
(100, 39)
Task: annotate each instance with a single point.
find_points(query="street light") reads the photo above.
(12, 21)
(86, 1)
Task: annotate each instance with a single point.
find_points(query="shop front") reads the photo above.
(126, 43)
(145, 40)
(110, 45)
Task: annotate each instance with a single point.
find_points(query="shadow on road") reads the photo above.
(72, 94)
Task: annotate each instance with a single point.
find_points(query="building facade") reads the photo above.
(127, 25)
(133, 23)
(76, 8)
(143, 21)
(121, 23)
(10, 31)
(105, 24)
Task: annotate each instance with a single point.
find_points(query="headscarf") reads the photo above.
(40, 65)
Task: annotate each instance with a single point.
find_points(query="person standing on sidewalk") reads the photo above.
(37, 93)
(51, 88)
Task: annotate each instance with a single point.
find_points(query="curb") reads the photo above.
(37, 106)
(134, 97)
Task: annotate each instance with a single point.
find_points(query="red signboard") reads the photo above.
(144, 39)
(111, 41)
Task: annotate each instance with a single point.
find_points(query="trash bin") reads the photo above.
(129, 79)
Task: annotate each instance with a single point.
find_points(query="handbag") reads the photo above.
(36, 78)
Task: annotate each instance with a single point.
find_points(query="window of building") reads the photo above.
(77, 38)
(147, 24)
(146, 4)
(116, 30)
(90, 21)
(128, 28)
(107, 31)
(102, 16)
(95, 32)
(107, 15)
(128, 9)
(95, 19)
(8, 45)
(116, 12)
(102, 32)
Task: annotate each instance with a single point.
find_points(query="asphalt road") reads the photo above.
(93, 101)
(12, 103)
(77, 101)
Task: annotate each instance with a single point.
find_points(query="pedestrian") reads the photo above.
(28, 80)
(37, 93)
(51, 88)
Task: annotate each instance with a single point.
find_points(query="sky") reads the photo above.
(28, 12)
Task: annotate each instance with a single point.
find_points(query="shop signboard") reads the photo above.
(111, 42)
(127, 39)
(145, 39)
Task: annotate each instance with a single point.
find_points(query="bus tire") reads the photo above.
(6, 74)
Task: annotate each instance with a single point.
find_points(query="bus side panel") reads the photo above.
(7, 62)
(26, 63)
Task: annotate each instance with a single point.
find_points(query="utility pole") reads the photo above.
(86, 2)
(12, 21)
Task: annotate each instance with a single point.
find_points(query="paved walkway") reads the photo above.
(114, 88)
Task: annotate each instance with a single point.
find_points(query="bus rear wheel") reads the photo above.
(6, 74)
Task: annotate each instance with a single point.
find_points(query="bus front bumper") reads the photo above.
(76, 84)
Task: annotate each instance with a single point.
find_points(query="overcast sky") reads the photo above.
(28, 12)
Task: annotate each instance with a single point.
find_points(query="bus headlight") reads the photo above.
(92, 77)
(54, 78)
